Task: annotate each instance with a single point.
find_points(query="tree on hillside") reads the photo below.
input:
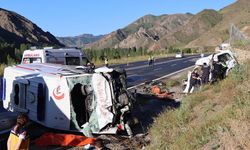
(19, 51)
(5, 50)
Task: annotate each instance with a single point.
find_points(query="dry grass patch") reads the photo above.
(127, 60)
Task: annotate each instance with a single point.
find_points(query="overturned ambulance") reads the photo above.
(67, 97)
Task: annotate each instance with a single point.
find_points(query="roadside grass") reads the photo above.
(127, 60)
(206, 119)
(173, 82)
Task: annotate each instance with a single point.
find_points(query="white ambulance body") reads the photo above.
(61, 97)
(64, 56)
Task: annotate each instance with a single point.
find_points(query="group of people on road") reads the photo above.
(205, 74)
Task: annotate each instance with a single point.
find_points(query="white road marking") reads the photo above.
(168, 75)
(173, 65)
(157, 69)
(131, 75)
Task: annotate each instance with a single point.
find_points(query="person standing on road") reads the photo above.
(106, 61)
(19, 139)
(153, 60)
(149, 61)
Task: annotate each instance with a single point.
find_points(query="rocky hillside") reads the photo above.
(207, 28)
(144, 32)
(79, 41)
(237, 14)
(15, 29)
(196, 26)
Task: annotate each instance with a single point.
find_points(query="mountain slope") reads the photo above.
(157, 32)
(194, 28)
(79, 41)
(143, 32)
(237, 13)
(15, 29)
(205, 29)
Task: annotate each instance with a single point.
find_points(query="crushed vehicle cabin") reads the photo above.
(65, 98)
(225, 56)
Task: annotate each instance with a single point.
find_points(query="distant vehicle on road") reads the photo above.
(64, 56)
(179, 55)
(202, 55)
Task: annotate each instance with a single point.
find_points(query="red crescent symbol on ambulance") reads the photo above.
(57, 93)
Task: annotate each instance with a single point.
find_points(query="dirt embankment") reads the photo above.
(242, 54)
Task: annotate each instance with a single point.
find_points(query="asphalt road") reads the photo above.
(140, 72)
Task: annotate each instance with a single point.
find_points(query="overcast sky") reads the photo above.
(75, 17)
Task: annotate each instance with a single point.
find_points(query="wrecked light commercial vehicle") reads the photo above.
(226, 57)
(65, 98)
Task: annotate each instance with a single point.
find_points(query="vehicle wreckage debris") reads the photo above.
(158, 89)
